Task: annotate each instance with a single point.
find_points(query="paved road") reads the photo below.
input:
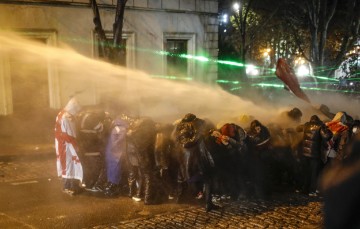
(30, 197)
(286, 211)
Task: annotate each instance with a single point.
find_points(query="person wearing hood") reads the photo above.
(67, 161)
(114, 154)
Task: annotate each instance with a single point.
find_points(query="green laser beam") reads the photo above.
(199, 58)
(306, 88)
(172, 77)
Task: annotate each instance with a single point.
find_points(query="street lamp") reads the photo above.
(266, 56)
(302, 71)
(236, 6)
(225, 18)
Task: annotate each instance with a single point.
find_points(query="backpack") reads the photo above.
(93, 127)
(186, 134)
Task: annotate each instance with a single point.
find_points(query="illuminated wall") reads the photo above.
(147, 26)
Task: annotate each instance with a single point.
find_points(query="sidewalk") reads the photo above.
(26, 135)
(26, 161)
(25, 151)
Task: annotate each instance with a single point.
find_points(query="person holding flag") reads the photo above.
(68, 164)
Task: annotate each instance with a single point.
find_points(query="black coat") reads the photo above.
(141, 142)
(315, 133)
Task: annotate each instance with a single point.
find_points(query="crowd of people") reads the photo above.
(153, 162)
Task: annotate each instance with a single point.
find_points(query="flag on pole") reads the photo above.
(286, 74)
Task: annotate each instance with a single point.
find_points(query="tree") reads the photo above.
(319, 12)
(111, 49)
(350, 31)
(331, 29)
(248, 23)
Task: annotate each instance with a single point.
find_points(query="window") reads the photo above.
(108, 43)
(128, 40)
(44, 83)
(177, 44)
(29, 83)
(176, 66)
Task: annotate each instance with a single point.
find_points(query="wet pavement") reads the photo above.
(288, 211)
(283, 210)
(27, 162)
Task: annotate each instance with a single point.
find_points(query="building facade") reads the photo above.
(151, 27)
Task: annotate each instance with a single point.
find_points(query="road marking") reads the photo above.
(25, 182)
(16, 220)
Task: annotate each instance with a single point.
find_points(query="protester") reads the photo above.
(341, 136)
(290, 159)
(314, 134)
(258, 159)
(93, 125)
(135, 181)
(341, 188)
(258, 134)
(231, 150)
(115, 155)
(224, 163)
(141, 138)
(68, 163)
(187, 134)
(165, 159)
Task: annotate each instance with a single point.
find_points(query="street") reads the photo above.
(31, 197)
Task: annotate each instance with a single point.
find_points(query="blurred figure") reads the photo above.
(165, 159)
(114, 155)
(134, 174)
(286, 150)
(289, 121)
(341, 135)
(93, 126)
(326, 111)
(295, 115)
(141, 144)
(341, 187)
(245, 120)
(315, 133)
(355, 131)
(67, 161)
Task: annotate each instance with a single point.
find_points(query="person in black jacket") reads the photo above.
(315, 133)
(166, 161)
(258, 139)
(141, 144)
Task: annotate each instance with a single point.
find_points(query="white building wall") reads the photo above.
(147, 20)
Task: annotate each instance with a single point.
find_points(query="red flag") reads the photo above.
(287, 75)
